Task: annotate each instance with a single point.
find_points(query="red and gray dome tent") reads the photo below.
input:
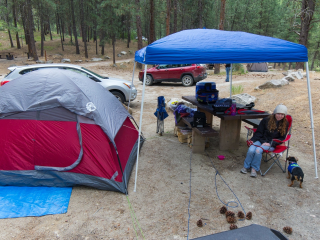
(59, 128)
(217, 46)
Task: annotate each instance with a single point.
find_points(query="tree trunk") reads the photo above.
(168, 17)
(7, 20)
(49, 28)
(128, 29)
(15, 23)
(221, 27)
(74, 28)
(152, 31)
(175, 15)
(307, 10)
(31, 42)
(83, 27)
(41, 27)
(139, 31)
(315, 55)
(70, 32)
(114, 48)
(102, 41)
(24, 15)
(61, 39)
(200, 10)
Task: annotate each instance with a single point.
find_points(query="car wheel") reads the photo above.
(119, 96)
(149, 80)
(187, 80)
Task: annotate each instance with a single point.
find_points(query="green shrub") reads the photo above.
(238, 68)
(237, 89)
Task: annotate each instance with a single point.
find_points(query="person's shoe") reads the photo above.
(253, 173)
(243, 170)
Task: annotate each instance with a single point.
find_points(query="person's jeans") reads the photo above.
(254, 155)
(227, 71)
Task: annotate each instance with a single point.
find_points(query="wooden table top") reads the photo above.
(208, 108)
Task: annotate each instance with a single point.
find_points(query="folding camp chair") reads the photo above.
(279, 149)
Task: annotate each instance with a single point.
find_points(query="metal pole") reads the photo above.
(134, 68)
(311, 118)
(140, 125)
(231, 80)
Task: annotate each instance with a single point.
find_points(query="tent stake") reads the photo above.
(140, 125)
(311, 118)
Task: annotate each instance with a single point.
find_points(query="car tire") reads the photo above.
(119, 96)
(149, 80)
(187, 80)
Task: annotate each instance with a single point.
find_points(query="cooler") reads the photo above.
(206, 92)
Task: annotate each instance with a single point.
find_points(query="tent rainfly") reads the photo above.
(59, 128)
(218, 46)
(257, 67)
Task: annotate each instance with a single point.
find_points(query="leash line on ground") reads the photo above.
(215, 182)
(189, 196)
(134, 219)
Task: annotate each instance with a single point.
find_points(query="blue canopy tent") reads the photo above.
(217, 46)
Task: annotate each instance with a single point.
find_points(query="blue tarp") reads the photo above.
(218, 46)
(33, 201)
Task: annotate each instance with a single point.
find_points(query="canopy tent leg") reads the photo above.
(311, 118)
(134, 68)
(140, 126)
(230, 80)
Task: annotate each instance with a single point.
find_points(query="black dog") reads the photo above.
(295, 170)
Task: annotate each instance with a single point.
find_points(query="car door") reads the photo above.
(161, 72)
(175, 71)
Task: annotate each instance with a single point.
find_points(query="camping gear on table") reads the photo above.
(206, 92)
(161, 114)
(222, 105)
(59, 128)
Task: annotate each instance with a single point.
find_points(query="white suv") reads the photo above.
(118, 87)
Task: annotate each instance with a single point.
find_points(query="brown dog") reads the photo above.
(295, 170)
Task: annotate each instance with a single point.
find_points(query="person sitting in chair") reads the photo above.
(273, 127)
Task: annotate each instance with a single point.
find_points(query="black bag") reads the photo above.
(222, 105)
(199, 119)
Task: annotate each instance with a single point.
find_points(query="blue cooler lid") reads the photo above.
(202, 84)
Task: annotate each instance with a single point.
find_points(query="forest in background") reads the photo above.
(106, 21)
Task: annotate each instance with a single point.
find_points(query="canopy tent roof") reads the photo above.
(218, 46)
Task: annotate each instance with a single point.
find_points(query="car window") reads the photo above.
(27, 70)
(83, 73)
(95, 74)
(164, 66)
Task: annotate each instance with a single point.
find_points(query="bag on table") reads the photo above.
(222, 105)
(199, 119)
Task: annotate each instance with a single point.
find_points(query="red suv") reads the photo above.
(188, 74)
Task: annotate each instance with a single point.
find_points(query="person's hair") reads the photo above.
(283, 124)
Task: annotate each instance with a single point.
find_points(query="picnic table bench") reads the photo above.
(199, 134)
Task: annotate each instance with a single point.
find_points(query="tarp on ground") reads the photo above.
(218, 46)
(33, 201)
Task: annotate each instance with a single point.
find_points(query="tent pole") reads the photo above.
(134, 68)
(311, 118)
(140, 125)
(230, 80)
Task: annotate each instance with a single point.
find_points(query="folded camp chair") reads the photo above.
(279, 149)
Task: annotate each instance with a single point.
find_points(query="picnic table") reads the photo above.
(230, 126)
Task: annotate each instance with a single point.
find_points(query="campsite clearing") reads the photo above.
(163, 188)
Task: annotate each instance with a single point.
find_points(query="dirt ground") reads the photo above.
(170, 177)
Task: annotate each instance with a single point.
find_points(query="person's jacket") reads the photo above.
(263, 135)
